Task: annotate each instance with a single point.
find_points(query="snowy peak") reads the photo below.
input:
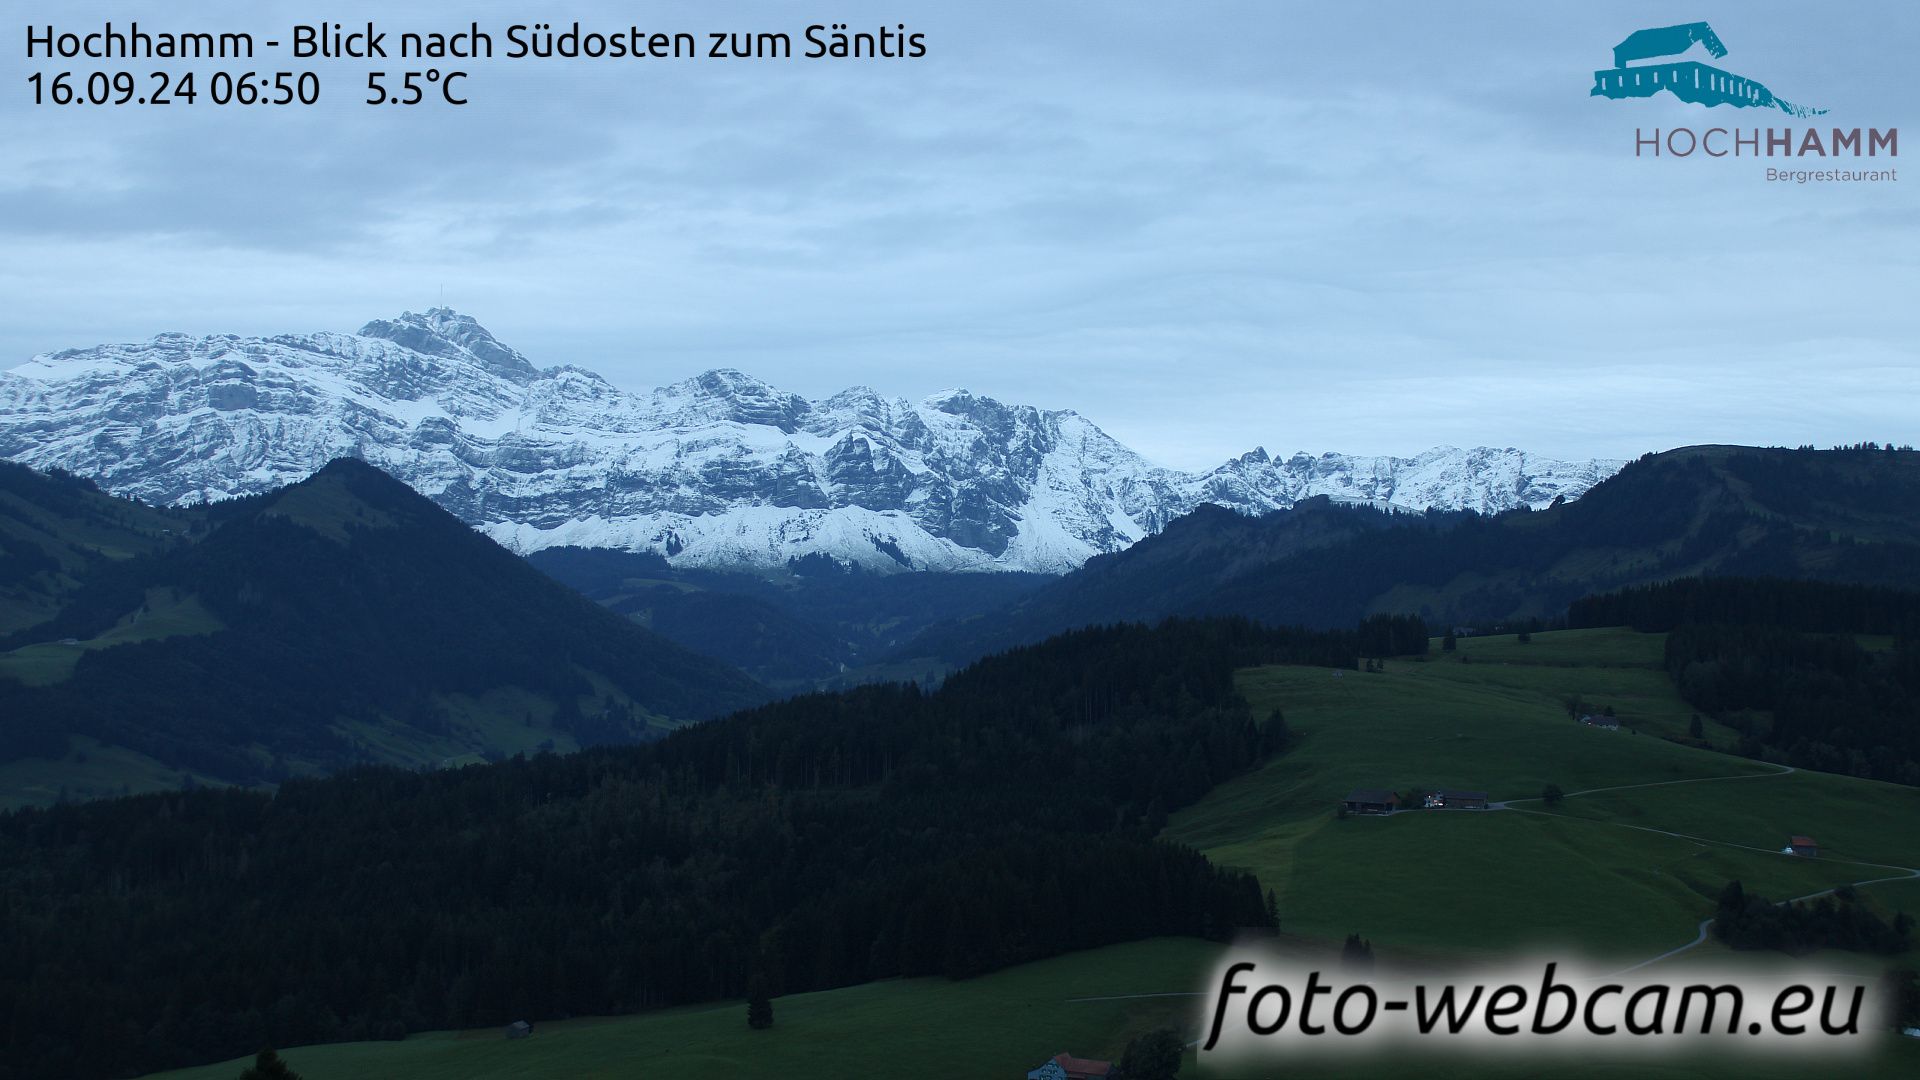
(858, 405)
(447, 333)
(1484, 480)
(720, 469)
(726, 394)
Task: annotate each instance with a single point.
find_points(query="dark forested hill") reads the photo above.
(343, 619)
(1183, 569)
(823, 841)
(1850, 515)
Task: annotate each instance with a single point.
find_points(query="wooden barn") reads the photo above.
(1370, 801)
(1447, 799)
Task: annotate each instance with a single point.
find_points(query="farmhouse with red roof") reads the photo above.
(1065, 1066)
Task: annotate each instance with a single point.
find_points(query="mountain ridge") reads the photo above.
(717, 470)
(1841, 515)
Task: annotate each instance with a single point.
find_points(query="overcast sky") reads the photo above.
(1370, 227)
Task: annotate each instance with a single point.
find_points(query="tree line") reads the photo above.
(1784, 663)
(1836, 921)
(1801, 606)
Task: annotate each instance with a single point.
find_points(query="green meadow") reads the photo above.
(1855, 820)
(995, 1026)
(1493, 716)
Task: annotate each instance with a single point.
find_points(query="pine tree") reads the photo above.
(1275, 735)
(268, 1066)
(1153, 1056)
(759, 1006)
(1357, 952)
(1900, 989)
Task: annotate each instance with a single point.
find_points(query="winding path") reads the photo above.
(1700, 934)
(1782, 770)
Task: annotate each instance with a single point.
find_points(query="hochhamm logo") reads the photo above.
(1657, 60)
(1688, 80)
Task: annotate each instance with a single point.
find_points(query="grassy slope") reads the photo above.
(91, 769)
(995, 1026)
(1852, 819)
(1501, 728)
(1430, 887)
(166, 613)
(1440, 885)
(1500, 882)
(1499, 723)
(496, 719)
(998, 1025)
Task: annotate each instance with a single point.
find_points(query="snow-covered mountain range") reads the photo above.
(718, 470)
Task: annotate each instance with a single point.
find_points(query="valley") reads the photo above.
(624, 785)
(814, 622)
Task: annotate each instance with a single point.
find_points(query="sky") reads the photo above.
(1206, 226)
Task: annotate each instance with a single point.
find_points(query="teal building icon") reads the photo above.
(1689, 80)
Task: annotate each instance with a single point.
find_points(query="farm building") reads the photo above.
(1803, 845)
(1446, 799)
(1370, 801)
(1065, 1066)
(1601, 720)
(519, 1029)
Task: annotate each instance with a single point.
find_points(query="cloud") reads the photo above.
(1371, 229)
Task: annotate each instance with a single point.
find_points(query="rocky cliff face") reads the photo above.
(718, 470)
